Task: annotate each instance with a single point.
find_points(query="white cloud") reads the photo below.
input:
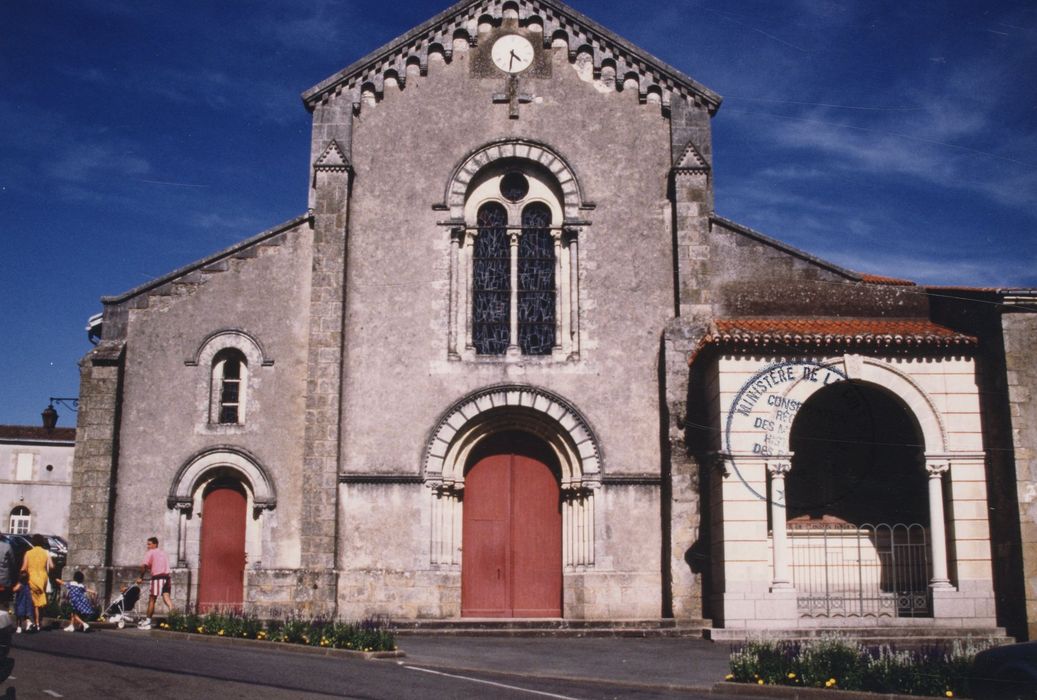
(86, 162)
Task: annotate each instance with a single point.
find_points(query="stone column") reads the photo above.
(466, 308)
(937, 525)
(513, 345)
(183, 513)
(573, 308)
(456, 304)
(556, 236)
(782, 574)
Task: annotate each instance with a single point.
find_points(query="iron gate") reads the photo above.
(846, 570)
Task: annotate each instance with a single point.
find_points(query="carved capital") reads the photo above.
(779, 468)
(937, 469)
(184, 507)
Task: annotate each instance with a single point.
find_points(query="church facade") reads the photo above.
(510, 363)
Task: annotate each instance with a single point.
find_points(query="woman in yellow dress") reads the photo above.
(37, 564)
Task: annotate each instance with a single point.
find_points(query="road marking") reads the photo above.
(498, 685)
(53, 694)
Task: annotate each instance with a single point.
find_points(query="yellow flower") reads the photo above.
(792, 675)
(220, 633)
(201, 629)
(759, 681)
(949, 693)
(729, 676)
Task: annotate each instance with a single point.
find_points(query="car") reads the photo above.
(20, 544)
(59, 548)
(1006, 672)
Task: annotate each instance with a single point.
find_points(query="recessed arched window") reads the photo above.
(229, 387)
(536, 282)
(21, 521)
(520, 198)
(514, 304)
(491, 282)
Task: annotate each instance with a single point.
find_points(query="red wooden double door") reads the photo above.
(221, 575)
(512, 538)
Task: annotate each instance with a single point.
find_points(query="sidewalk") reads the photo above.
(664, 663)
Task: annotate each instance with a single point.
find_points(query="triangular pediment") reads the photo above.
(691, 159)
(332, 158)
(556, 20)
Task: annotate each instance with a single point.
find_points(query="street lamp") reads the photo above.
(50, 414)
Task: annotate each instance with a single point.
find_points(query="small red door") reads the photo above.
(511, 539)
(221, 574)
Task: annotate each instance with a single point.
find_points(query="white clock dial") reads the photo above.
(512, 53)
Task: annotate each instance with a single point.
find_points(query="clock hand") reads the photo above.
(513, 57)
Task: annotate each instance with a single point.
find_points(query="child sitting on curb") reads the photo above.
(83, 611)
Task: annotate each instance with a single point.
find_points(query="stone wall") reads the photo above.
(1020, 332)
(398, 307)
(255, 296)
(95, 462)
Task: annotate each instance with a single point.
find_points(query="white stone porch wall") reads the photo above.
(943, 395)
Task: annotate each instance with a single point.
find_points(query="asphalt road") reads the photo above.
(132, 664)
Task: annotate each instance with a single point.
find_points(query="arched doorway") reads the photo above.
(857, 505)
(512, 530)
(221, 572)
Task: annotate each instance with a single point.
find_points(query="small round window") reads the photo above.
(514, 186)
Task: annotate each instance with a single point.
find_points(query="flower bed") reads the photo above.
(835, 663)
(369, 635)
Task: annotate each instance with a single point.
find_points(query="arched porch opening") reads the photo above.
(856, 505)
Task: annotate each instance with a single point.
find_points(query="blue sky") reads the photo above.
(136, 136)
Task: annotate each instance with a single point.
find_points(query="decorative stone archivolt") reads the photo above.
(522, 150)
(513, 408)
(222, 460)
(875, 371)
(229, 338)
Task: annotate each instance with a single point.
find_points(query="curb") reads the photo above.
(597, 680)
(281, 646)
(792, 693)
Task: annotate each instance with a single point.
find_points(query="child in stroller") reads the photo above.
(120, 609)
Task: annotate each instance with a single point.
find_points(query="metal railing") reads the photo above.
(846, 570)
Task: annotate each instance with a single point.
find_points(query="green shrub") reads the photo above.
(831, 662)
(369, 635)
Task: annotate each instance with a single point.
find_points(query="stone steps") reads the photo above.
(549, 627)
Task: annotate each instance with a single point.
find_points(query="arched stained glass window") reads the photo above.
(491, 282)
(536, 282)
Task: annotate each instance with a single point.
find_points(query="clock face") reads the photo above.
(512, 53)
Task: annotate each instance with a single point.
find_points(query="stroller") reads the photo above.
(120, 609)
